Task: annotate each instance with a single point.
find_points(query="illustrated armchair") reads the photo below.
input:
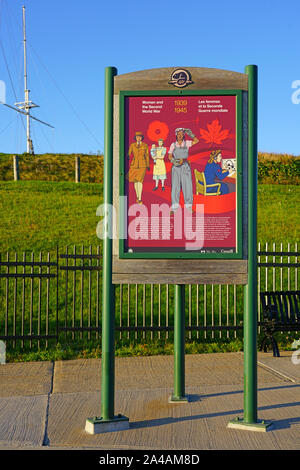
(201, 186)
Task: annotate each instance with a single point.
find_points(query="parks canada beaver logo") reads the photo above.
(180, 78)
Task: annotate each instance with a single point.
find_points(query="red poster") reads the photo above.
(180, 168)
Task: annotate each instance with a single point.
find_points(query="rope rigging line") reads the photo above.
(7, 67)
(42, 87)
(6, 127)
(64, 96)
(8, 71)
(12, 40)
(5, 59)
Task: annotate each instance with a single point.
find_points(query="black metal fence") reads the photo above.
(54, 297)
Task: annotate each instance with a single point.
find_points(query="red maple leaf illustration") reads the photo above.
(214, 135)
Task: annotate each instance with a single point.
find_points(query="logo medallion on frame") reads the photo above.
(180, 78)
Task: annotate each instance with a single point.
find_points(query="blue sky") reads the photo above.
(70, 42)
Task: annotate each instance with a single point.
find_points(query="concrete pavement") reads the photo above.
(44, 405)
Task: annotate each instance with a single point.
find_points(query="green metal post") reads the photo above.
(250, 421)
(250, 313)
(108, 422)
(108, 311)
(179, 345)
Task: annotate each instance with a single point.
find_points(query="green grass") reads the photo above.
(127, 348)
(92, 350)
(39, 215)
(278, 215)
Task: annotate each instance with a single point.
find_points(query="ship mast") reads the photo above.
(26, 91)
(25, 106)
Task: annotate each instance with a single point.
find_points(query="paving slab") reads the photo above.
(285, 366)
(153, 372)
(22, 420)
(214, 384)
(45, 406)
(25, 378)
(199, 424)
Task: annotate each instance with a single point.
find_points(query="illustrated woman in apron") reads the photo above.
(159, 167)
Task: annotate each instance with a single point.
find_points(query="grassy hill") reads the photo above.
(39, 215)
(272, 168)
(46, 208)
(275, 168)
(52, 167)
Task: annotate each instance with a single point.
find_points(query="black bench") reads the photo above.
(280, 312)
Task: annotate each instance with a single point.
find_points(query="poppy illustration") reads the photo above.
(157, 130)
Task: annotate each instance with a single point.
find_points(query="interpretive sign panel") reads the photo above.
(180, 174)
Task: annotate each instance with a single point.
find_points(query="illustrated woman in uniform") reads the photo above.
(159, 167)
(181, 170)
(139, 164)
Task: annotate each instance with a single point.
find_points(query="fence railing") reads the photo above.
(51, 297)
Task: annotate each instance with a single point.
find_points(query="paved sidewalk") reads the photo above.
(45, 405)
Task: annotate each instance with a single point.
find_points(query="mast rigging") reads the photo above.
(25, 106)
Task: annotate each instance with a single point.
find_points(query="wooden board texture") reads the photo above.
(203, 79)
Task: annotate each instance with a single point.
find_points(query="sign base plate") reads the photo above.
(173, 399)
(98, 425)
(259, 426)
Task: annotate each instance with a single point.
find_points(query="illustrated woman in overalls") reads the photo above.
(181, 170)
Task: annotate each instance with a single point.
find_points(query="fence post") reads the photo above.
(16, 167)
(77, 169)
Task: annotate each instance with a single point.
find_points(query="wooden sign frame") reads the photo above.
(190, 267)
